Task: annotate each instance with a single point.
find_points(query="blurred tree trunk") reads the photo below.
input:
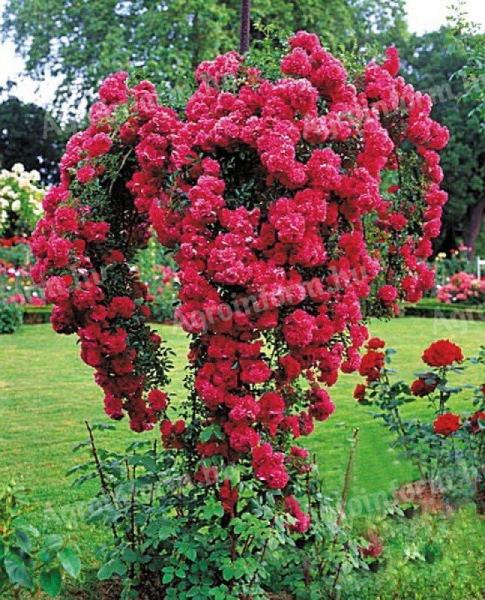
(474, 221)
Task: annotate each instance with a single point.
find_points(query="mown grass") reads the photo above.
(46, 394)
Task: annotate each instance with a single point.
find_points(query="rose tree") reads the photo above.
(294, 208)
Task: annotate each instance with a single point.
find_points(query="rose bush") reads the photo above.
(448, 448)
(16, 285)
(462, 288)
(458, 260)
(270, 195)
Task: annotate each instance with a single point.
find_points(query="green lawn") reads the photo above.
(46, 393)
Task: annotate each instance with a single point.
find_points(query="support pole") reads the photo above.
(245, 25)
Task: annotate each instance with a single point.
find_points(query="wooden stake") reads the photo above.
(245, 25)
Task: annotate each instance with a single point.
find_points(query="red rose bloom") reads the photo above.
(446, 424)
(298, 328)
(229, 496)
(359, 392)
(206, 475)
(121, 306)
(291, 366)
(157, 400)
(113, 407)
(272, 408)
(269, 467)
(98, 145)
(475, 419)
(423, 387)
(387, 294)
(322, 406)
(95, 231)
(302, 520)
(86, 174)
(374, 548)
(371, 365)
(255, 371)
(375, 343)
(66, 219)
(442, 354)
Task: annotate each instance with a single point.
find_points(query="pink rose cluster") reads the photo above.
(462, 288)
(262, 190)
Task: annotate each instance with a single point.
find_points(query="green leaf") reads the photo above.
(166, 530)
(111, 568)
(168, 575)
(84, 444)
(17, 571)
(50, 582)
(103, 426)
(212, 508)
(70, 561)
(23, 540)
(130, 556)
(106, 571)
(53, 542)
(228, 573)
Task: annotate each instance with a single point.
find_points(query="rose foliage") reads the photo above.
(271, 196)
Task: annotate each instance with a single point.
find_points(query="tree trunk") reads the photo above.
(475, 215)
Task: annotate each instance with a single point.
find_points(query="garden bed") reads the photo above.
(430, 308)
(35, 315)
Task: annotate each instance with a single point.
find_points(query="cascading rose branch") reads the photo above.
(272, 196)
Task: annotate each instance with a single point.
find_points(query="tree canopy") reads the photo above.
(30, 135)
(84, 41)
(432, 62)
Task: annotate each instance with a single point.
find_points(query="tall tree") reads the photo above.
(85, 40)
(432, 62)
(30, 135)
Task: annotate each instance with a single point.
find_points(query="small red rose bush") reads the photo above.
(448, 450)
(271, 197)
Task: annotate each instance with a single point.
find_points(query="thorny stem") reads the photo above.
(115, 178)
(345, 493)
(132, 514)
(247, 543)
(152, 489)
(348, 474)
(335, 581)
(263, 553)
(104, 484)
(397, 418)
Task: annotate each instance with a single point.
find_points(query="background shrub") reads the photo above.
(10, 317)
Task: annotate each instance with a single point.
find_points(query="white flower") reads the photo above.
(16, 204)
(34, 175)
(18, 168)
